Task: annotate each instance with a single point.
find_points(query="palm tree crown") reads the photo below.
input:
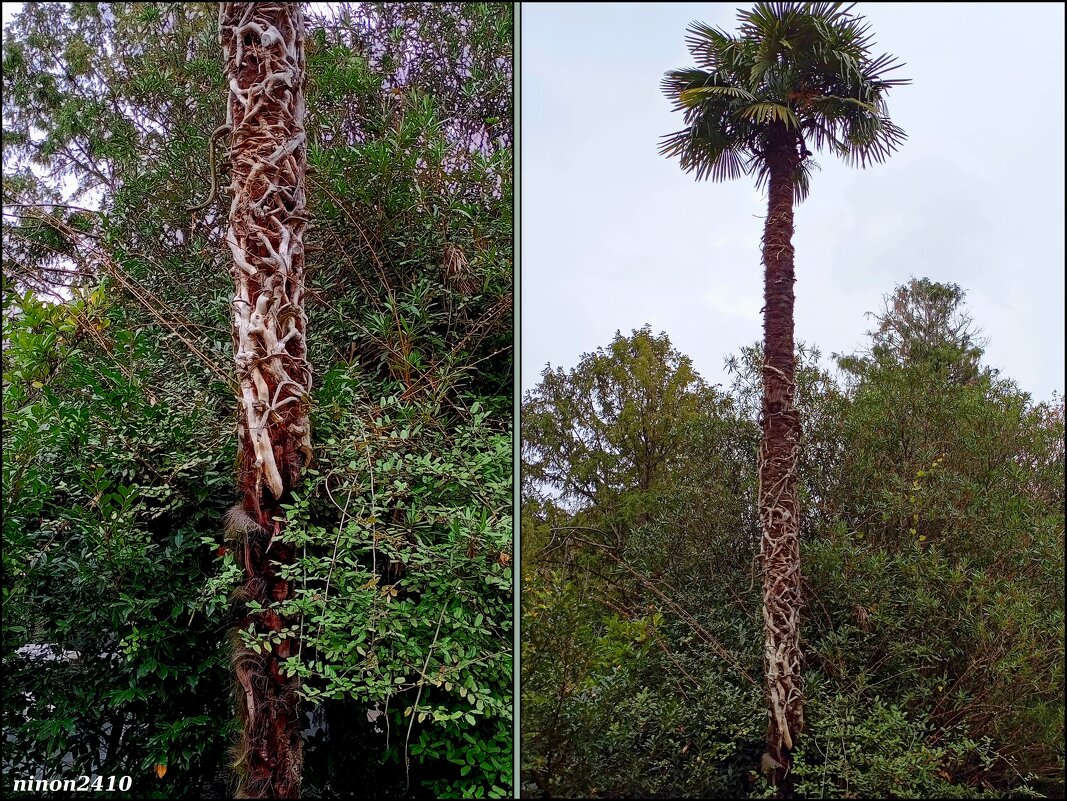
(802, 68)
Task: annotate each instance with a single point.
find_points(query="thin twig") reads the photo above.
(418, 697)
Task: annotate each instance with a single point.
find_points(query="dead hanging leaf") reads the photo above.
(505, 558)
(457, 272)
(161, 771)
(862, 617)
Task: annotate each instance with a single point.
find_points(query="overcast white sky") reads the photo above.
(614, 235)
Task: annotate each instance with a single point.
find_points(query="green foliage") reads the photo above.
(404, 585)
(627, 704)
(859, 747)
(932, 557)
(108, 488)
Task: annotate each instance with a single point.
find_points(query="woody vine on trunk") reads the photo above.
(264, 55)
(795, 74)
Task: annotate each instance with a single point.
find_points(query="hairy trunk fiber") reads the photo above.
(263, 48)
(779, 449)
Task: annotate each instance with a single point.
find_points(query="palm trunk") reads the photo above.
(779, 449)
(263, 49)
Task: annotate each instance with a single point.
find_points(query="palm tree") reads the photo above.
(263, 47)
(795, 75)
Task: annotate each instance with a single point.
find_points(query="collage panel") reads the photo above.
(792, 419)
(258, 391)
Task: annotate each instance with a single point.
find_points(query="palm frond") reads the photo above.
(705, 156)
(769, 112)
(802, 179)
(694, 95)
(709, 46)
(874, 69)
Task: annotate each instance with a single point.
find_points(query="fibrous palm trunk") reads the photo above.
(778, 453)
(263, 49)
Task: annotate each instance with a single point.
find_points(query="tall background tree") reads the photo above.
(795, 74)
(119, 415)
(925, 322)
(610, 426)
